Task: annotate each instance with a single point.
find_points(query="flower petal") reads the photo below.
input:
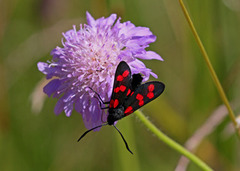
(149, 55)
(43, 67)
(142, 31)
(59, 107)
(68, 108)
(110, 20)
(68, 96)
(90, 19)
(154, 75)
(51, 87)
(78, 106)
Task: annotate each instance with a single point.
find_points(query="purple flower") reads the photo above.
(89, 58)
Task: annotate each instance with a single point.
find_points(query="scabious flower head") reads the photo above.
(88, 58)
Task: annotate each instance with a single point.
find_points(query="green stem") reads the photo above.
(210, 67)
(172, 143)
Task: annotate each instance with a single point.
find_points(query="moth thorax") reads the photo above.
(115, 114)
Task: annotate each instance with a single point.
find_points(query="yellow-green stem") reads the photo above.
(210, 67)
(172, 143)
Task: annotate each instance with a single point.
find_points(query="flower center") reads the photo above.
(92, 55)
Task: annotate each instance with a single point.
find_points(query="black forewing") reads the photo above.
(119, 83)
(134, 101)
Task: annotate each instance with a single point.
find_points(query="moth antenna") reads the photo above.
(123, 139)
(99, 97)
(91, 130)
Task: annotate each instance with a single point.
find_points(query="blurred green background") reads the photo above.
(33, 138)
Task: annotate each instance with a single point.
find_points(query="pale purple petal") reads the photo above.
(108, 21)
(143, 40)
(150, 55)
(68, 108)
(142, 31)
(154, 75)
(90, 19)
(59, 107)
(78, 106)
(137, 64)
(68, 96)
(51, 87)
(43, 67)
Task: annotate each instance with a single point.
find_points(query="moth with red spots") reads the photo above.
(128, 95)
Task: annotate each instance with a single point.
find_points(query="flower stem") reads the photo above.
(212, 71)
(172, 143)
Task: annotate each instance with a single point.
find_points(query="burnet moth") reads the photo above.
(128, 95)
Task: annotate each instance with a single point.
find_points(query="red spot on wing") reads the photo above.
(122, 88)
(111, 103)
(129, 110)
(150, 95)
(119, 78)
(116, 90)
(129, 91)
(115, 104)
(151, 87)
(132, 93)
(141, 102)
(139, 97)
(125, 73)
